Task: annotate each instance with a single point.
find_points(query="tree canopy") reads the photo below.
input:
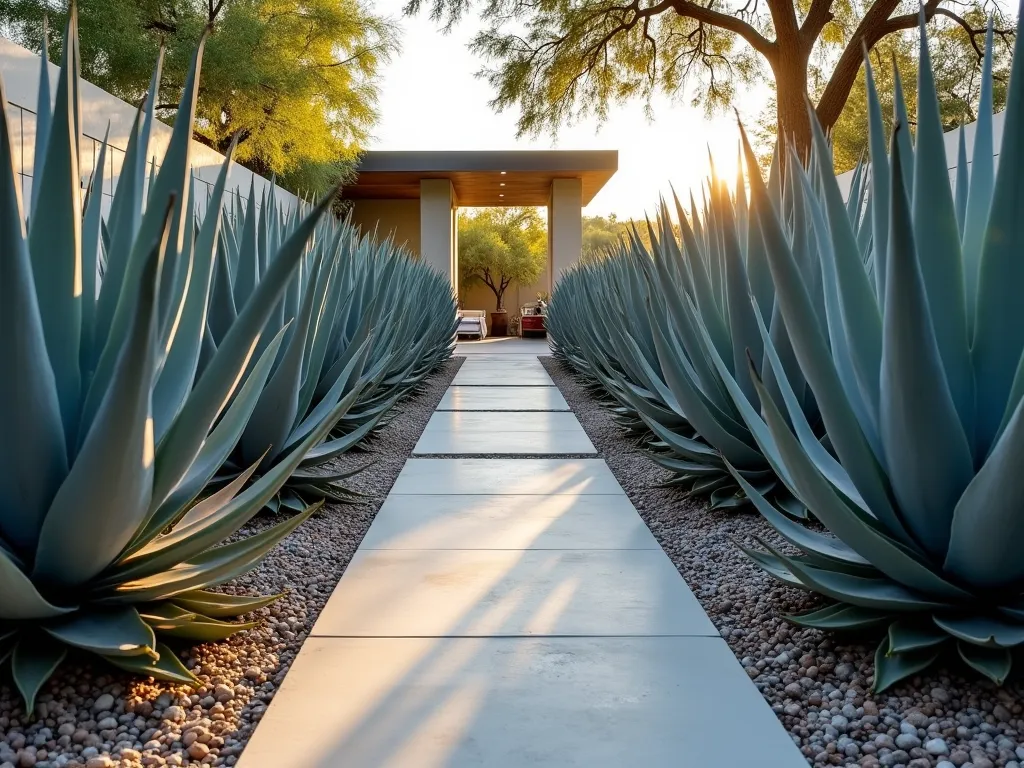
(957, 73)
(499, 246)
(557, 61)
(295, 79)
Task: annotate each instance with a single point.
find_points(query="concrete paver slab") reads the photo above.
(482, 376)
(509, 398)
(422, 477)
(508, 522)
(498, 422)
(482, 443)
(652, 702)
(500, 592)
(532, 434)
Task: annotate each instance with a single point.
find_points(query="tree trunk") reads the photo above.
(791, 104)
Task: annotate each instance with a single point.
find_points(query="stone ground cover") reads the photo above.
(89, 716)
(819, 688)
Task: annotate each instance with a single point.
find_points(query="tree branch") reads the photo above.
(725, 21)
(972, 33)
(818, 16)
(163, 26)
(875, 25)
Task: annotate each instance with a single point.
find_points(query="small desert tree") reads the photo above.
(499, 246)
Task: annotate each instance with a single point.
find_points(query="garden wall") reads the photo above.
(20, 70)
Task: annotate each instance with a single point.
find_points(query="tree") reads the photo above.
(296, 80)
(957, 74)
(600, 236)
(558, 60)
(499, 246)
(956, 69)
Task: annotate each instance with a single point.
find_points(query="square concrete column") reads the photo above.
(439, 227)
(565, 226)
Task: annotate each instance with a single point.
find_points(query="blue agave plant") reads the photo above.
(110, 433)
(918, 374)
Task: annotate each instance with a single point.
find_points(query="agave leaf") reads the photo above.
(126, 210)
(44, 116)
(936, 234)
(880, 594)
(696, 407)
(993, 663)
(217, 523)
(203, 630)
(182, 362)
(19, 598)
(116, 632)
(219, 605)
(879, 183)
(862, 321)
(745, 337)
(222, 311)
(161, 552)
(998, 336)
(913, 635)
(962, 185)
(213, 567)
(91, 257)
(840, 617)
(811, 350)
(823, 460)
(703, 290)
(892, 667)
(899, 103)
(268, 431)
(827, 548)
(331, 449)
(108, 489)
(215, 450)
(855, 387)
(35, 659)
(170, 188)
(983, 192)
(33, 465)
(982, 631)
(214, 388)
(855, 528)
(165, 615)
(166, 667)
(774, 566)
(248, 272)
(55, 240)
(987, 521)
(926, 449)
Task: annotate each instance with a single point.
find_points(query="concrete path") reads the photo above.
(506, 612)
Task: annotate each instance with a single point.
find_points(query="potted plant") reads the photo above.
(499, 246)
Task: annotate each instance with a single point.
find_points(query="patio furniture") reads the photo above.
(532, 322)
(473, 322)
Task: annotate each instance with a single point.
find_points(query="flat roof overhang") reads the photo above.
(519, 177)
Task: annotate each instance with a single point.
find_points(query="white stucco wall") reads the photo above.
(565, 226)
(20, 69)
(439, 227)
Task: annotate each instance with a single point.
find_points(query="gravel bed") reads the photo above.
(92, 716)
(818, 685)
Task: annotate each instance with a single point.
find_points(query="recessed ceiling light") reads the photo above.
(502, 184)
(503, 173)
(500, 195)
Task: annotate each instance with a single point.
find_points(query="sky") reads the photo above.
(431, 100)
